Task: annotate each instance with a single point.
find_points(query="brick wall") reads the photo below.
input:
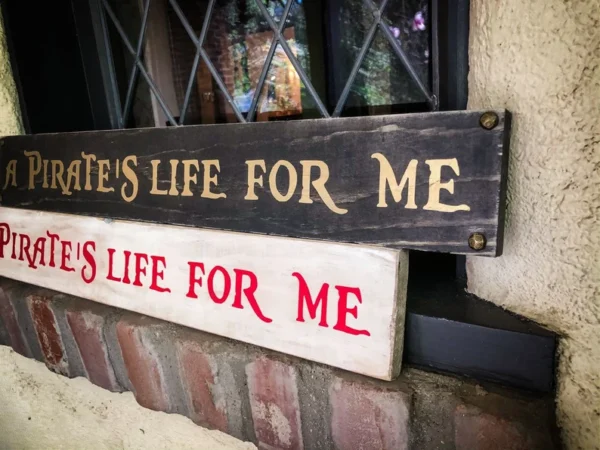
(275, 401)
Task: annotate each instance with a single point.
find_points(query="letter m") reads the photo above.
(387, 178)
(304, 297)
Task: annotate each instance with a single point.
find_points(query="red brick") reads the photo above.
(11, 324)
(48, 333)
(198, 373)
(88, 331)
(367, 417)
(274, 403)
(143, 368)
(477, 430)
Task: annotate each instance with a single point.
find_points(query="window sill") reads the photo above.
(451, 331)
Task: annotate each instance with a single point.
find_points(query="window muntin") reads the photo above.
(221, 61)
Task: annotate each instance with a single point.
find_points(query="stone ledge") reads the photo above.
(273, 400)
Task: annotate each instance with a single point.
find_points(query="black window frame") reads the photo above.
(93, 16)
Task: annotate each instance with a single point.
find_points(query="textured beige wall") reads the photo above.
(541, 60)
(40, 409)
(10, 122)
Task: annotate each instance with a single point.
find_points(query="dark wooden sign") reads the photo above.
(432, 181)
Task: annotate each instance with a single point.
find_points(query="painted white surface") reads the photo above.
(380, 274)
(42, 410)
(541, 60)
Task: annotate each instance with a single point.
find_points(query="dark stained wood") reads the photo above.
(345, 145)
(448, 330)
(524, 361)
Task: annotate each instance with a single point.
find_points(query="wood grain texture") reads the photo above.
(346, 146)
(260, 302)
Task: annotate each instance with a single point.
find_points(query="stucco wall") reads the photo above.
(10, 122)
(541, 60)
(40, 409)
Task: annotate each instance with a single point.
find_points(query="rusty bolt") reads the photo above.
(489, 120)
(477, 241)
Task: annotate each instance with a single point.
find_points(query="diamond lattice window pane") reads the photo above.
(182, 52)
(409, 22)
(284, 96)
(382, 81)
(302, 34)
(220, 61)
(136, 70)
(238, 42)
(129, 15)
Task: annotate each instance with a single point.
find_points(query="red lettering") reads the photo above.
(139, 270)
(89, 257)
(66, 256)
(53, 239)
(126, 279)
(193, 279)
(14, 246)
(158, 273)
(4, 237)
(226, 285)
(111, 263)
(39, 249)
(27, 248)
(24, 247)
(343, 309)
(305, 297)
(249, 292)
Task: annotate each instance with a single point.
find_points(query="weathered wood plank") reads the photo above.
(337, 304)
(316, 179)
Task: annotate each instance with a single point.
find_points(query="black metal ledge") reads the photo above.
(451, 331)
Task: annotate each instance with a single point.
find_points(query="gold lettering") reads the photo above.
(387, 177)
(35, 166)
(58, 175)
(293, 177)
(208, 179)
(45, 184)
(318, 184)
(88, 170)
(131, 176)
(436, 185)
(73, 174)
(188, 178)
(173, 190)
(253, 180)
(155, 190)
(103, 168)
(11, 172)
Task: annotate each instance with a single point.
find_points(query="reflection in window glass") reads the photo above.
(324, 37)
(382, 78)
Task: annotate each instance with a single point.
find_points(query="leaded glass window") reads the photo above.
(179, 62)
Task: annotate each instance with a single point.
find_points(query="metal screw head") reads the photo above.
(477, 241)
(489, 120)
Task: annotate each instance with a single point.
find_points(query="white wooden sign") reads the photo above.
(337, 304)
